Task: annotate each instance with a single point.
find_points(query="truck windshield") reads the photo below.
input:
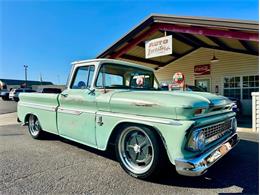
(125, 77)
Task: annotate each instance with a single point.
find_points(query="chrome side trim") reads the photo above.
(145, 104)
(73, 111)
(67, 111)
(113, 114)
(38, 106)
(136, 102)
(141, 118)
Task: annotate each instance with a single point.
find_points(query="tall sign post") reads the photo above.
(25, 74)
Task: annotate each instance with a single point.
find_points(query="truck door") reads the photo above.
(77, 108)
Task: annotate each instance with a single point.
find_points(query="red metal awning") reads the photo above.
(189, 34)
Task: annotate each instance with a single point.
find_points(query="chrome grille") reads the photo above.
(215, 131)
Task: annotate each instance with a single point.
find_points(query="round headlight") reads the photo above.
(201, 141)
(196, 141)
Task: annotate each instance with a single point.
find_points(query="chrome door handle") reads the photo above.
(64, 94)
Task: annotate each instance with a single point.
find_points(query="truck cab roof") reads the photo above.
(100, 61)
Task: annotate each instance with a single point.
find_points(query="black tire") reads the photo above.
(5, 98)
(151, 153)
(34, 127)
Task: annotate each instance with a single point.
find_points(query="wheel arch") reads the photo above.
(120, 125)
(26, 118)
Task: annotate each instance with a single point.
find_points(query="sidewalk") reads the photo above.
(11, 119)
(245, 129)
(8, 119)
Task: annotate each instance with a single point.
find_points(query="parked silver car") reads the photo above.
(4, 93)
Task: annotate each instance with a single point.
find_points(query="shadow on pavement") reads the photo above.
(238, 168)
(109, 153)
(244, 121)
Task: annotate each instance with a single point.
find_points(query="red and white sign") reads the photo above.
(140, 80)
(178, 81)
(178, 78)
(202, 69)
(158, 47)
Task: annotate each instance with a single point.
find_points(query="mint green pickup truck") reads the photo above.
(114, 102)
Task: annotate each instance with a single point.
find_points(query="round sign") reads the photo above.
(139, 81)
(178, 77)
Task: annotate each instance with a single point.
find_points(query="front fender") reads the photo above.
(171, 132)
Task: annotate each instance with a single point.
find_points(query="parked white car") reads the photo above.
(11, 94)
(14, 94)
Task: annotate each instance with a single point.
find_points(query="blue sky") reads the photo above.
(49, 35)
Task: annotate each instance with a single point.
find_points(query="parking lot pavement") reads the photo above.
(7, 106)
(56, 165)
(8, 119)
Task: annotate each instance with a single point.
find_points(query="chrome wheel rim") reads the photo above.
(34, 125)
(136, 150)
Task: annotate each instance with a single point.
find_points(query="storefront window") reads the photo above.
(250, 84)
(232, 87)
(241, 86)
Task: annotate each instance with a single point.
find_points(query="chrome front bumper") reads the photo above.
(198, 166)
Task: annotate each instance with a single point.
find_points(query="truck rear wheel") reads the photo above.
(138, 150)
(34, 127)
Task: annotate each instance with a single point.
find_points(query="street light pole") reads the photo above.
(58, 76)
(25, 74)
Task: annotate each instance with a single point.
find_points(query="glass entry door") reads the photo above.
(203, 83)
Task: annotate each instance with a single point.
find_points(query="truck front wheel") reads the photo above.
(34, 127)
(138, 149)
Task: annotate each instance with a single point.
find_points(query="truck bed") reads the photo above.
(41, 105)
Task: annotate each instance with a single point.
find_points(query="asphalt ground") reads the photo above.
(56, 165)
(7, 106)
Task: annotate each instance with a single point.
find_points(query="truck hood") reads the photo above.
(166, 104)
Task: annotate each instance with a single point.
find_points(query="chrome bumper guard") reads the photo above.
(198, 166)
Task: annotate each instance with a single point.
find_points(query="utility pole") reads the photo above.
(58, 76)
(41, 78)
(25, 74)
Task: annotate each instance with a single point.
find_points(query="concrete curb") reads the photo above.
(247, 130)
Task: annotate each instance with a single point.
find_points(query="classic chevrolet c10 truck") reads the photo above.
(110, 101)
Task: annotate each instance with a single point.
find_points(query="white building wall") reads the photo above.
(255, 111)
(230, 64)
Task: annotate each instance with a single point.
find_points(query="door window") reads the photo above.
(90, 75)
(83, 77)
(108, 80)
(122, 76)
